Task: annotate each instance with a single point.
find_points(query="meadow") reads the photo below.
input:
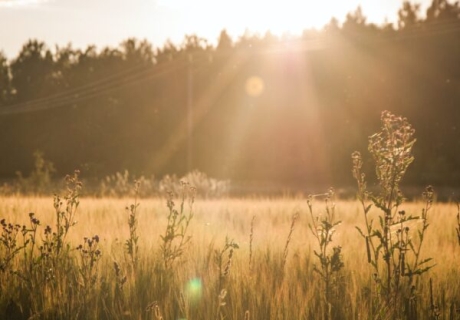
(181, 256)
(257, 284)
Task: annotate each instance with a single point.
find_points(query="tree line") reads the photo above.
(260, 109)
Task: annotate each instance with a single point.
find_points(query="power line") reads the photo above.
(76, 90)
(138, 69)
(74, 96)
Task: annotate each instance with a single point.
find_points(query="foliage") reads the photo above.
(118, 185)
(47, 264)
(89, 258)
(224, 264)
(39, 181)
(391, 249)
(131, 244)
(175, 239)
(323, 228)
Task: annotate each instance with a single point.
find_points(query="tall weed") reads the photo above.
(392, 251)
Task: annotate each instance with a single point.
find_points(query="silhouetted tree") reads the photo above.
(137, 52)
(354, 21)
(168, 53)
(332, 27)
(408, 15)
(225, 42)
(443, 10)
(5, 88)
(32, 72)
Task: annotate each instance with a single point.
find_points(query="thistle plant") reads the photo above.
(391, 250)
(90, 254)
(16, 239)
(54, 260)
(47, 253)
(132, 247)
(223, 259)
(120, 280)
(10, 244)
(30, 236)
(176, 238)
(66, 208)
(323, 228)
(224, 265)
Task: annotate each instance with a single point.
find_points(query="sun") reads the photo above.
(288, 16)
(256, 16)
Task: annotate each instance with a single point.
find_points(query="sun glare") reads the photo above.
(19, 3)
(254, 86)
(288, 16)
(278, 17)
(207, 18)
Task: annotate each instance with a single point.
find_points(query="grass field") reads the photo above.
(254, 281)
(312, 257)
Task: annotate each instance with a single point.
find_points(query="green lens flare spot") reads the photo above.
(194, 290)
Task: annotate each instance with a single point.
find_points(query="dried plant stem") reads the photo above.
(251, 239)
(288, 240)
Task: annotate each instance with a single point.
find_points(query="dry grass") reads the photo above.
(266, 292)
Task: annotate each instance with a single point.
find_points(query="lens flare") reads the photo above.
(193, 290)
(254, 86)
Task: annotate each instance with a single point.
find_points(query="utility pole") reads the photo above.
(190, 113)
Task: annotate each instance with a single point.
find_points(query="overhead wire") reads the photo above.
(74, 96)
(77, 89)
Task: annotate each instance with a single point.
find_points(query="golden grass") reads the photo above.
(267, 292)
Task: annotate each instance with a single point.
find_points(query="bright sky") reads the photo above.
(108, 22)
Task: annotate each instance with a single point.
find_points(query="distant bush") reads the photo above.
(120, 184)
(39, 180)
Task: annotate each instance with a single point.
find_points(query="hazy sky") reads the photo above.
(108, 22)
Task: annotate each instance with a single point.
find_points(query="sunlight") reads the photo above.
(290, 17)
(200, 107)
(19, 3)
(254, 86)
(278, 17)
